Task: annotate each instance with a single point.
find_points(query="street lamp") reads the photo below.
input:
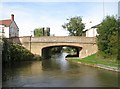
(32, 33)
(30, 40)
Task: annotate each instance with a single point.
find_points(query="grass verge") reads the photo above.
(94, 60)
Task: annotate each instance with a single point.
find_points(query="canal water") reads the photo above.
(57, 72)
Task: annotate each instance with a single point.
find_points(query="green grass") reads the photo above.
(93, 59)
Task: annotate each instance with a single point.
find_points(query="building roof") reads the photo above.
(6, 22)
(96, 26)
(93, 27)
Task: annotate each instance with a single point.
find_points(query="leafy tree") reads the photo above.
(70, 49)
(56, 50)
(118, 56)
(39, 32)
(107, 39)
(74, 26)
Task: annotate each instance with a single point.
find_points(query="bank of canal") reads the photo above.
(12, 52)
(92, 60)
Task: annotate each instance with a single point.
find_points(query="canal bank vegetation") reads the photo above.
(95, 61)
(15, 53)
(108, 38)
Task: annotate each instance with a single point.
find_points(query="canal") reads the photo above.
(57, 72)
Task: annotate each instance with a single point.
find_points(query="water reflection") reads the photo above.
(57, 72)
(55, 64)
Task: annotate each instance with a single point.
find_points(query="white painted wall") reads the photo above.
(1, 34)
(1, 28)
(1, 31)
(5, 32)
(92, 32)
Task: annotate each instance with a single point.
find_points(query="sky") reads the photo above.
(34, 14)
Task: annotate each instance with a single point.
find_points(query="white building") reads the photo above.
(92, 32)
(9, 28)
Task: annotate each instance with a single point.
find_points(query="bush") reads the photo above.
(15, 52)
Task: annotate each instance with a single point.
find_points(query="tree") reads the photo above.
(39, 32)
(118, 56)
(42, 32)
(74, 26)
(108, 38)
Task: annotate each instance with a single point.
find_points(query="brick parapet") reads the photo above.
(64, 39)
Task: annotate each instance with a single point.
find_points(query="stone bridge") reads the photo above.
(85, 45)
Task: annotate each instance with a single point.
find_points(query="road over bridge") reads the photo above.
(85, 45)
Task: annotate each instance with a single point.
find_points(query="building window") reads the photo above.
(2, 29)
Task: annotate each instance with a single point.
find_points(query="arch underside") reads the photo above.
(45, 50)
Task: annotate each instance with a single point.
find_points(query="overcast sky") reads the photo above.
(34, 14)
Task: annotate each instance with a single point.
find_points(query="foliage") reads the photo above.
(5, 51)
(38, 32)
(74, 26)
(107, 40)
(56, 50)
(15, 52)
(70, 50)
(118, 56)
(41, 32)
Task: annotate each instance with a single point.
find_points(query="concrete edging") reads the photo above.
(101, 66)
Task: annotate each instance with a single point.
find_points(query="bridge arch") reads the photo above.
(62, 44)
(46, 49)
